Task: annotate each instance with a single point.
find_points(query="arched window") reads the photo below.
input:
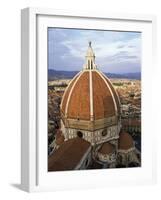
(91, 64)
(80, 134)
(88, 64)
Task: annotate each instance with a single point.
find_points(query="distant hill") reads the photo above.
(55, 74)
(136, 75)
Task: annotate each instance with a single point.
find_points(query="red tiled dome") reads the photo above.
(107, 148)
(125, 141)
(90, 94)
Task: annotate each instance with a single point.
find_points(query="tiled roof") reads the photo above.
(68, 155)
(125, 141)
(107, 148)
(103, 105)
(77, 102)
(114, 93)
(66, 94)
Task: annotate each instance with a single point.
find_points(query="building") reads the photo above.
(73, 154)
(90, 106)
(91, 111)
(131, 125)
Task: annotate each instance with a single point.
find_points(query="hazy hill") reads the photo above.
(55, 74)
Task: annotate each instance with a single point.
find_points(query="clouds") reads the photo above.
(115, 51)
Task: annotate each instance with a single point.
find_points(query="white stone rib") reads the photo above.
(126, 151)
(68, 87)
(115, 90)
(66, 108)
(91, 94)
(115, 105)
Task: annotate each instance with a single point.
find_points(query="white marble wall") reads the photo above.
(110, 158)
(92, 137)
(127, 157)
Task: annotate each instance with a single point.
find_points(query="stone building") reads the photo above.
(91, 111)
(127, 152)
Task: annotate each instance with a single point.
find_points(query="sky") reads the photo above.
(116, 51)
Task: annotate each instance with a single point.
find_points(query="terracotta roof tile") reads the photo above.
(103, 105)
(66, 94)
(125, 141)
(79, 103)
(79, 100)
(68, 155)
(114, 93)
(107, 148)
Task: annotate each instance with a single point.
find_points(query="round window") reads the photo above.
(104, 132)
(80, 134)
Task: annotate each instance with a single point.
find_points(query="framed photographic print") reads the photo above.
(86, 106)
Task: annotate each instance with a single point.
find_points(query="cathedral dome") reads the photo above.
(107, 148)
(90, 96)
(107, 153)
(125, 141)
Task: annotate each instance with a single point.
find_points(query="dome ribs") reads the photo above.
(79, 103)
(114, 92)
(66, 94)
(103, 102)
(90, 96)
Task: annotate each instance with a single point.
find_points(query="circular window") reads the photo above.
(80, 134)
(104, 132)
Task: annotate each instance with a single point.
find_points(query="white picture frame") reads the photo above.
(33, 175)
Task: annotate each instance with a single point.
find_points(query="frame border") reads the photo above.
(29, 174)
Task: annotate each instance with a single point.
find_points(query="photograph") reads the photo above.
(94, 99)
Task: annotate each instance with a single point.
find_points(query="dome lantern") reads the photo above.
(90, 58)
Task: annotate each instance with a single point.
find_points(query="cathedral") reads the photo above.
(91, 133)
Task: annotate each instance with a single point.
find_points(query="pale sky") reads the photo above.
(116, 51)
